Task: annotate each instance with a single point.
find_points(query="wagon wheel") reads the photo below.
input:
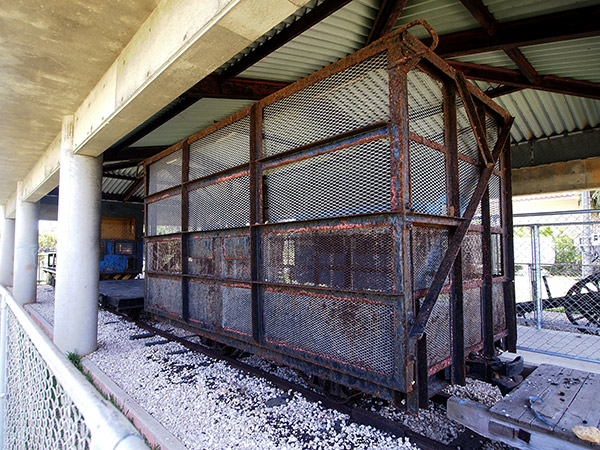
(582, 303)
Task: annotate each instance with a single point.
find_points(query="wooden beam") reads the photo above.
(237, 88)
(118, 177)
(523, 64)
(502, 90)
(510, 77)
(128, 194)
(132, 153)
(308, 20)
(388, 14)
(562, 26)
(121, 198)
(121, 165)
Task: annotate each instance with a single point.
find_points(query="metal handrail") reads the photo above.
(109, 428)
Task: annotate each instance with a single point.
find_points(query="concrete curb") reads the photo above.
(155, 433)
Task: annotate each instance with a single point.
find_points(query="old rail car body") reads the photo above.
(355, 225)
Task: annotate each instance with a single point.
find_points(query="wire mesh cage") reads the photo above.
(315, 226)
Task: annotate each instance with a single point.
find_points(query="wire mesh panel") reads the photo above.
(496, 256)
(495, 206)
(223, 149)
(350, 181)
(467, 144)
(347, 100)
(165, 173)
(491, 132)
(356, 332)
(472, 257)
(428, 194)
(237, 309)
(439, 346)
(164, 216)
(220, 255)
(204, 305)
(426, 117)
(498, 306)
(472, 316)
(225, 204)
(359, 258)
(468, 176)
(429, 246)
(39, 413)
(164, 255)
(163, 295)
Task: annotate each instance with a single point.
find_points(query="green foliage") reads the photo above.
(47, 242)
(567, 255)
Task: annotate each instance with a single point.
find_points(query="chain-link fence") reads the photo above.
(45, 403)
(557, 276)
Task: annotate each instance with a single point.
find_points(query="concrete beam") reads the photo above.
(10, 208)
(44, 175)
(178, 45)
(578, 175)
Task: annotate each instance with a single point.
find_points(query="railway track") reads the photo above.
(467, 440)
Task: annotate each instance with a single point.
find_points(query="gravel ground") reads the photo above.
(209, 405)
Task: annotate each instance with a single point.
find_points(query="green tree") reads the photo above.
(47, 242)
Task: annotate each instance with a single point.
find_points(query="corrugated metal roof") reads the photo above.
(537, 113)
(578, 58)
(200, 115)
(119, 186)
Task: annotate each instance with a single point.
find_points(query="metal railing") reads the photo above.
(45, 402)
(557, 280)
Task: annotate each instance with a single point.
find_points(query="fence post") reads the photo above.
(3, 350)
(537, 278)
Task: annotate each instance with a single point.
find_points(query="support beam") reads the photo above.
(489, 23)
(7, 249)
(77, 270)
(26, 250)
(579, 175)
(314, 16)
(388, 14)
(119, 153)
(555, 27)
(128, 194)
(510, 77)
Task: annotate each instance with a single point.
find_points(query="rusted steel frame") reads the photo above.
(219, 177)
(456, 289)
(238, 88)
(430, 219)
(509, 252)
(166, 152)
(256, 217)
(455, 244)
(474, 119)
(406, 352)
(350, 139)
(446, 69)
(426, 142)
(487, 305)
(166, 193)
(388, 14)
(288, 288)
(185, 209)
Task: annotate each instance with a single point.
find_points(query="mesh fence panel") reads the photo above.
(358, 259)
(164, 255)
(498, 306)
(204, 304)
(164, 294)
(220, 205)
(39, 414)
(428, 194)
(237, 309)
(165, 173)
(491, 132)
(350, 99)
(472, 316)
(358, 333)
(495, 206)
(429, 246)
(468, 176)
(425, 102)
(354, 180)
(164, 216)
(438, 332)
(472, 257)
(223, 149)
(467, 145)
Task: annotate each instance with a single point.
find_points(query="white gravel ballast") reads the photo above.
(207, 404)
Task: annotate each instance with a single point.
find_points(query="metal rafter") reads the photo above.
(388, 14)
(489, 23)
(515, 78)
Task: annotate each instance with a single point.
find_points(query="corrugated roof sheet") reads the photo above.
(200, 115)
(445, 16)
(508, 10)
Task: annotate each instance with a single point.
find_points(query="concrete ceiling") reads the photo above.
(53, 53)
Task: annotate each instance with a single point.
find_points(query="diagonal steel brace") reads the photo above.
(454, 247)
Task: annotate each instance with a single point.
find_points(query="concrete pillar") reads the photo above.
(7, 249)
(78, 246)
(26, 249)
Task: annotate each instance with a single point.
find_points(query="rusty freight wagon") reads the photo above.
(354, 225)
